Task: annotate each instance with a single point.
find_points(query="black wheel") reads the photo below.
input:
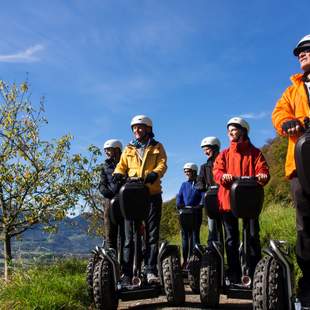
(194, 273)
(269, 292)
(173, 280)
(89, 274)
(103, 286)
(210, 281)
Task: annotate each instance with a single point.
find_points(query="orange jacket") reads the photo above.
(293, 104)
(240, 159)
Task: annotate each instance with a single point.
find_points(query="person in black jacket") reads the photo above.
(211, 148)
(113, 150)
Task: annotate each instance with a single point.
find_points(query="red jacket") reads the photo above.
(240, 159)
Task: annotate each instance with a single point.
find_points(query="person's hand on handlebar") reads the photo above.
(117, 178)
(262, 178)
(151, 177)
(292, 127)
(227, 178)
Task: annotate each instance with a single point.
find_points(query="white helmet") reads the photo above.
(304, 42)
(141, 119)
(191, 166)
(210, 141)
(240, 121)
(113, 143)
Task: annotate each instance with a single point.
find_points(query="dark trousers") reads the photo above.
(215, 232)
(152, 224)
(302, 205)
(114, 233)
(231, 229)
(191, 237)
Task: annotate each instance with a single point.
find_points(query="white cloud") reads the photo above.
(252, 115)
(28, 55)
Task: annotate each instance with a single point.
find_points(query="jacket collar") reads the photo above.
(297, 78)
(240, 146)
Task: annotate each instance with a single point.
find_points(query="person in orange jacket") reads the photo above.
(241, 158)
(288, 117)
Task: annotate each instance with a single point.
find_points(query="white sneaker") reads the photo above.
(151, 278)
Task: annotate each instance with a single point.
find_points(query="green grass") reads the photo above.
(59, 286)
(62, 285)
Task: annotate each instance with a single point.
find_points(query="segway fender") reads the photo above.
(110, 255)
(165, 251)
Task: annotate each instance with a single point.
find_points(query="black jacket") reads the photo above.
(205, 177)
(106, 186)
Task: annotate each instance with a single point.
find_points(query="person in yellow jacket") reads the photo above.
(146, 158)
(288, 117)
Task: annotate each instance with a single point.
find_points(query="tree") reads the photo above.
(37, 177)
(88, 174)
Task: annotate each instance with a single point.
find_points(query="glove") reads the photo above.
(290, 125)
(117, 178)
(108, 194)
(151, 178)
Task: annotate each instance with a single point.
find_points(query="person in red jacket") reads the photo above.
(242, 158)
(288, 119)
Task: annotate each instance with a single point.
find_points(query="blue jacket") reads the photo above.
(189, 195)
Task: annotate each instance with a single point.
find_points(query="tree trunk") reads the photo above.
(7, 256)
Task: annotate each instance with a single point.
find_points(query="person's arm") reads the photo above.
(262, 169)
(201, 184)
(161, 163)
(220, 174)
(283, 116)
(180, 198)
(104, 185)
(122, 166)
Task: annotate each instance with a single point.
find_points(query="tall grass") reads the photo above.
(59, 286)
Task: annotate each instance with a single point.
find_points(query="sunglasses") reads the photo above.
(305, 50)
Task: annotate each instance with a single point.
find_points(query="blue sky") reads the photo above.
(189, 65)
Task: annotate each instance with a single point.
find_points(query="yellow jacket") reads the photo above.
(293, 104)
(154, 160)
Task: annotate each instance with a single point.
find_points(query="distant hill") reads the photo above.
(71, 238)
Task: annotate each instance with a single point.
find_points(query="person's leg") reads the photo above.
(254, 245)
(152, 233)
(128, 251)
(110, 228)
(302, 205)
(196, 231)
(232, 245)
(185, 245)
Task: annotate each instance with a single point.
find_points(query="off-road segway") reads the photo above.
(189, 217)
(274, 279)
(116, 218)
(246, 199)
(107, 290)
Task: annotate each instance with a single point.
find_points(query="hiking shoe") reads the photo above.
(151, 278)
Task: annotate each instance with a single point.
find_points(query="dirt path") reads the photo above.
(192, 302)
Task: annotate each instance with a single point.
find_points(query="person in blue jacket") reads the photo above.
(188, 200)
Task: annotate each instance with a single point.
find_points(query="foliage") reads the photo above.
(169, 225)
(277, 190)
(37, 178)
(88, 172)
(59, 286)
